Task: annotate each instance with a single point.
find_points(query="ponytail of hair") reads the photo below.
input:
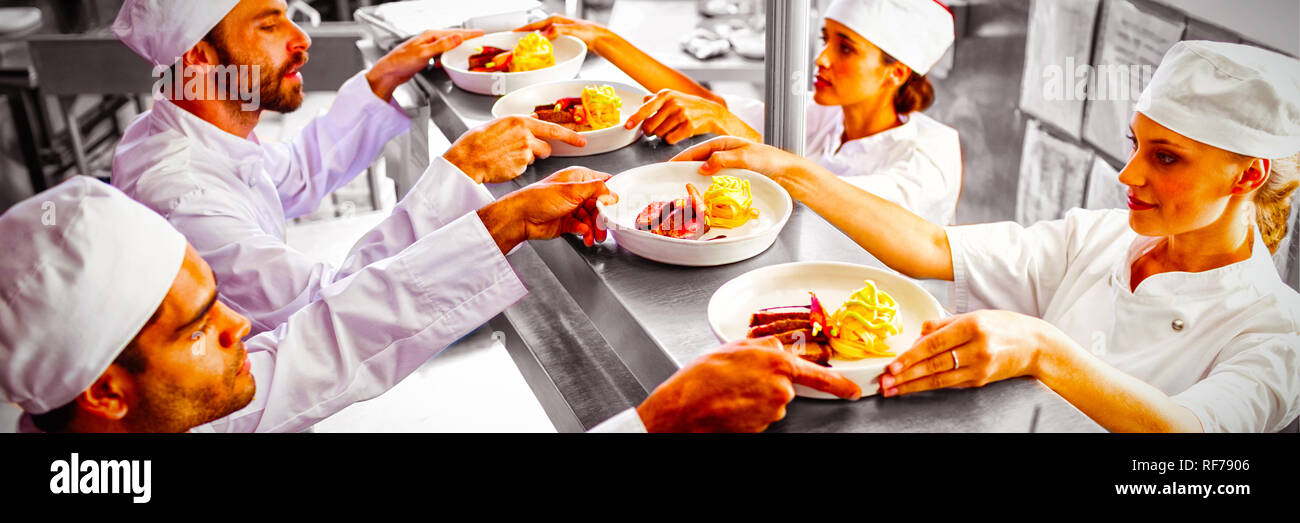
(1273, 200)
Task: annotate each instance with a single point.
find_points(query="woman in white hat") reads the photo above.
(1169, 316)
(865, 124)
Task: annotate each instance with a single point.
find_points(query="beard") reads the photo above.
(169, 408)
(274, 95)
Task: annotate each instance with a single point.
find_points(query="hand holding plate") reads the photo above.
(731, 152)
(971, 350)
(558, 25)
(412, 56)
(562, 203)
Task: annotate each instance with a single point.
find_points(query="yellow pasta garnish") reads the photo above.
(860, 326)
(532, 52)
(603, 106)
(729, 202)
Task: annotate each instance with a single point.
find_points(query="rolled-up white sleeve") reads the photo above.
(369, 331)
(1256, 389)
(334, 148)
(627, 421)
(1007, 266)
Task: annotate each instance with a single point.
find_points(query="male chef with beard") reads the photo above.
(194, 159)
(110, 322)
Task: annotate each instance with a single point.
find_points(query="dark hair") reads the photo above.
(916, 94)
(131, 358)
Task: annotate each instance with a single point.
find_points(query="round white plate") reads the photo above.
(523, 101)
(569, 54)
(788, 285)
(639, 187)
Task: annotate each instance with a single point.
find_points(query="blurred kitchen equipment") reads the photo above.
(301, 6)
(17, 22)
(728, 7)
(704, 44)
(407, 19)
(728, 25)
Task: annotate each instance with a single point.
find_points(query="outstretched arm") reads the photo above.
(975, 349)
(680, 107)
(650, 73)
(902, 240)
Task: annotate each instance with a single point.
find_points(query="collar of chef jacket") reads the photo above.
(869, 145)
(1258, 271)
(244, 153)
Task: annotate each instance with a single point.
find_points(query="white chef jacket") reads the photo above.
(231, 196)
(370, 330)
(424, 277)
(916, 165)
(1224, 343)
(335, 351)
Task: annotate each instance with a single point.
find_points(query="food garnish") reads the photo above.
(856, 330)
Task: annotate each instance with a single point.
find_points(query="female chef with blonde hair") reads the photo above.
(1169, 316)
(865, 124)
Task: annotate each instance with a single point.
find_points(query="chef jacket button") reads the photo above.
(1177, 325)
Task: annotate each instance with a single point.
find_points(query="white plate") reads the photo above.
(644, 185)
(788, 285)
(523, 101)
(569, 54)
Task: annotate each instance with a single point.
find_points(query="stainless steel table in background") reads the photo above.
(603, 326)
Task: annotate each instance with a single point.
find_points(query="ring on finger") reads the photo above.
(955, 364)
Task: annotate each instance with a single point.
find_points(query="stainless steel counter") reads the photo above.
(652, 316)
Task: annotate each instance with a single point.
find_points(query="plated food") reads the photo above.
(858, 329)
(852, 318)
(501, 63)
(595, 109)
(531, 53)
(665, 214)
(599, 107)
(727, 204)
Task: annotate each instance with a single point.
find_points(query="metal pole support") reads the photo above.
(787, 74)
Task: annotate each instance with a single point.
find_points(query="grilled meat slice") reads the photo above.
(778, 314)
(779, 327)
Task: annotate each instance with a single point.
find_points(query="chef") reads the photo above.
(1169, 316)
(865, 123)
(194, 158)
(110, 322)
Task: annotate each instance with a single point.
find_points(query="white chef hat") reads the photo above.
(1235, 97)
(163, 30)
(84, 269)
(916, 32)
